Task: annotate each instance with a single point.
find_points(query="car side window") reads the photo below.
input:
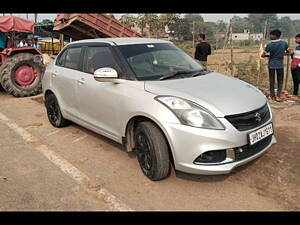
(99, 57)
(72, 60)
(61, 59)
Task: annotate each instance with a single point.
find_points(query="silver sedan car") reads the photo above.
(160, 103)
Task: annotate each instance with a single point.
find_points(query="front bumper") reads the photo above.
(187, 143)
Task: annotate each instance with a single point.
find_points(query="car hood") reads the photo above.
(221, 94)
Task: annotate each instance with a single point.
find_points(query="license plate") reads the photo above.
(260, 134)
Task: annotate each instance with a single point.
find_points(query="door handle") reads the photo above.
(54, 74)
(81, 81)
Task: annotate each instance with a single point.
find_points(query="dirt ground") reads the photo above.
(29, 181)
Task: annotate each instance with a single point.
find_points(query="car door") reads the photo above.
(65, 77)
(100, 102)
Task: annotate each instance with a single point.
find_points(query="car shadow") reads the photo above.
(178, 174)
(98, 136)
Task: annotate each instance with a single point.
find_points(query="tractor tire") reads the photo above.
(9, 70)
(1, 88)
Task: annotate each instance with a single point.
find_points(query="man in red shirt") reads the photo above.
(295, 65)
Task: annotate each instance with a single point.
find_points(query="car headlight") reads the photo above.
(190, 113)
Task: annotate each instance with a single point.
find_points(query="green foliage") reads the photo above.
(128, 20)
(186, 46)
(221, 26)
(286, 26)
(296, 25)
(247, 71)
(241, 24)
(183, 28)
(46, 22)
(151, 20)
(258, 21)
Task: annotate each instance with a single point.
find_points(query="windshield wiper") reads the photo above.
(201, 72)
(173, 74)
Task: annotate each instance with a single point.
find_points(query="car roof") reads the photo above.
(121, 41)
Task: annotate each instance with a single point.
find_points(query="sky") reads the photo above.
(207, 17)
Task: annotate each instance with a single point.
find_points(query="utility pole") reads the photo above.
(35, 18)
(231, 50)
(61, 38)
(287, 67)
(226, 39)
(262, 46)
(193, 31)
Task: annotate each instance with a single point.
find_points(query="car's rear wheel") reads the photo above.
(53, 111)
(152, 151)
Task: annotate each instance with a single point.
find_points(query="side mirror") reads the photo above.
(106, 74)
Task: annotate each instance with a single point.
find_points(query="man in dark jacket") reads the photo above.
(202, 50)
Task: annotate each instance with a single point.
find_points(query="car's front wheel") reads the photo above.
(53, 111)
(152, 151)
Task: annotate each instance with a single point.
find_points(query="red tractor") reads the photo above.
(21, 63)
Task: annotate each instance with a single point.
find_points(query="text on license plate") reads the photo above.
(261, 133)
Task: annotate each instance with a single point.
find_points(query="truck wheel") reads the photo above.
(53, 111)
(152, 151)
(21, 75)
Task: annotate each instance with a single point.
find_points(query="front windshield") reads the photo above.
(152, 61)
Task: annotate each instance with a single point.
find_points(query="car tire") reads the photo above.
(152, 151)
(54, 114)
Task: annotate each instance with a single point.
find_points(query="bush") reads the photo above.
(186, 46)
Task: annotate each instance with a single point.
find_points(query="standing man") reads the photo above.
(276, 50)
(202, 50)
(295, 65)
(2, 41)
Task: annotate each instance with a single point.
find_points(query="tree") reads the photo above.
(193, 22)
(46, 22)
(286, 26)
(180, 29)
(169, 19)
(128, 20)
(149, 19)
(221, 26)
(141, 22)
(241, 24)
(258, 21)
(193, 17)
(209, 29)
(296, 24)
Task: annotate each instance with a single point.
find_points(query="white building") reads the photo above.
(247, 36)
(256, 36)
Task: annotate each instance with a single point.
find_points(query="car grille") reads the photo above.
(250, 120)
(252, 150)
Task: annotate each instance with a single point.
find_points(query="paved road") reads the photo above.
(46, 175)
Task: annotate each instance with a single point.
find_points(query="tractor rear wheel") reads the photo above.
(21, 75)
